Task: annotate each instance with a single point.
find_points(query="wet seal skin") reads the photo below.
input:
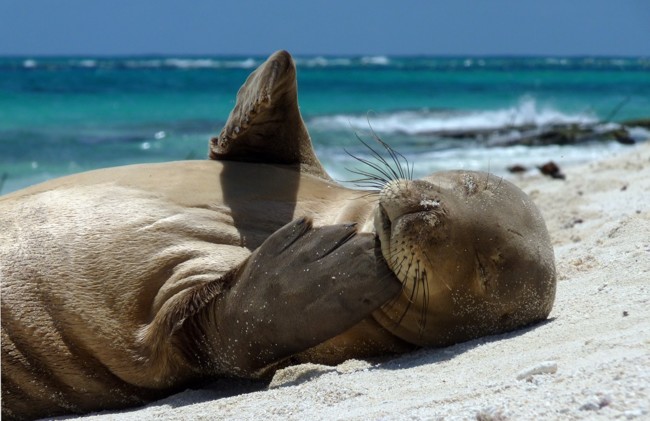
(124, 285)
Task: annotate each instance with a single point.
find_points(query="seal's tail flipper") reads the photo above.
(266, 125)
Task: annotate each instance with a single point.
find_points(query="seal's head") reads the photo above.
(473, 255)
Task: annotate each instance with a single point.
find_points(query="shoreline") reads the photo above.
(589, 360)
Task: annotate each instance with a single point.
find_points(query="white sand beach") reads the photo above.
(590, 360)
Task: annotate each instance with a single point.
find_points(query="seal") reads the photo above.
(122, 285)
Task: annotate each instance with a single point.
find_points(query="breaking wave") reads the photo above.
(382, 61)
(421, 122)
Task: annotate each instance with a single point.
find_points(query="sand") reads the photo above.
(590, 360)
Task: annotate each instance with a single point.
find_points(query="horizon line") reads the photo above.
(316, 55)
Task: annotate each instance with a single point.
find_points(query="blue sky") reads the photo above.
(456, 27)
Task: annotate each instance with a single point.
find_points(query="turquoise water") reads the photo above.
(66, 114)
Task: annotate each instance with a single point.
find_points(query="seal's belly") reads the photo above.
(87, 262)
(83, 269)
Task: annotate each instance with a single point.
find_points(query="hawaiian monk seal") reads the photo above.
(121, 285)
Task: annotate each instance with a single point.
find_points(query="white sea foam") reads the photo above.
(88, 63)
(249, 63)
(333, 61)
(526, 112)
(182, 63)
(554, 61)
(375, 60)
(192, 63)
(321, 61)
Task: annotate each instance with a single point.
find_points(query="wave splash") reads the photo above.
(362, 61)
(197, 63)
(425, 122)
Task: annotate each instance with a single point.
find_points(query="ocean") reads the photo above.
(61, 115)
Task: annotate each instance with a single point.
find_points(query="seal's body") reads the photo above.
(101, 288)
(122, 285)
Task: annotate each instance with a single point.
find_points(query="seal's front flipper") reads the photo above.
(304, 285)
(266, 125)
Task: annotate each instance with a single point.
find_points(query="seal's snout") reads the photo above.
(410, 214)
(402, 197)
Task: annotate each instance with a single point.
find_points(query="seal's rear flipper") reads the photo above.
(266, 125)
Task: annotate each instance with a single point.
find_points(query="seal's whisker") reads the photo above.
(386, 177)
(409, 300)
(385, 170)
(370, 193)
(368, 177)
(372, 188)
(367, 174)
(395, 156)
(425, 303)
(396, 267)
(389, 149)
(387, 174)
(380, 158)
(370, 185)
(416, 283)
(432, 266)
(365, 184)
(397, 173)
(498, 185)
(394, 174)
